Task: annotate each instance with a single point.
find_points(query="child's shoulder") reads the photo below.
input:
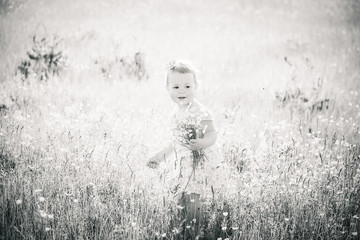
(199, 109)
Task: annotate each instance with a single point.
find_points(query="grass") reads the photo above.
(73, 149)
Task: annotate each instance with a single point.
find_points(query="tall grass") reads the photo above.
(73, 149)
(73, 166)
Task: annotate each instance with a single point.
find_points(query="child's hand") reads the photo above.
(195, 144)
(153, 162)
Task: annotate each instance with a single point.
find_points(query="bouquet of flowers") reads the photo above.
(188, 129)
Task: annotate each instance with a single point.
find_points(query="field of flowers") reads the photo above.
(281, 79)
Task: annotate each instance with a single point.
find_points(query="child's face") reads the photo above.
(181, 87)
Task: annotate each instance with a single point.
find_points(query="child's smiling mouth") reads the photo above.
(181, 98)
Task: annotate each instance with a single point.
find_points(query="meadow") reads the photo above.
(281, 78)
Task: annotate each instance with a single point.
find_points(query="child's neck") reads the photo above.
(184, 107)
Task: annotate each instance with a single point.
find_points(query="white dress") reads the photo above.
(188, 174)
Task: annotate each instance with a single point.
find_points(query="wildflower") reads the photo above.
(192, 200)
(224, 228)
(51, 216)
(42, 214)
(235, 228)
(19, 201)
(356, 217)
(287, 219)
(163, 235)
(47, 229)
(189, 128)
(41, 199)
(187, 226)
(76, 200)
(354, 233)
(219, 238)
(37, 190)
(180, 207)
(225, 214)
(133, 224)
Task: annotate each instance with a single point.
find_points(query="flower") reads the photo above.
(41, 199)
(186, 128)
(42, 214)
(18, 202)
(225, 214)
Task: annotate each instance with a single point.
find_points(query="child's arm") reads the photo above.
(209, 138)
(154, 161)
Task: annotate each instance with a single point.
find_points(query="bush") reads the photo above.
(43, 60)
(123, 67)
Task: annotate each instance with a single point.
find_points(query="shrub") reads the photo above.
(43, 60)
(303, 102)
(123, 67)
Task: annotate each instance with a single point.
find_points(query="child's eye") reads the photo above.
(187, 86)
(175, 87)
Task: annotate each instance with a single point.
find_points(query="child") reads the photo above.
(194, 145)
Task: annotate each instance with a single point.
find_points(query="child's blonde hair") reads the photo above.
(179, 67)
